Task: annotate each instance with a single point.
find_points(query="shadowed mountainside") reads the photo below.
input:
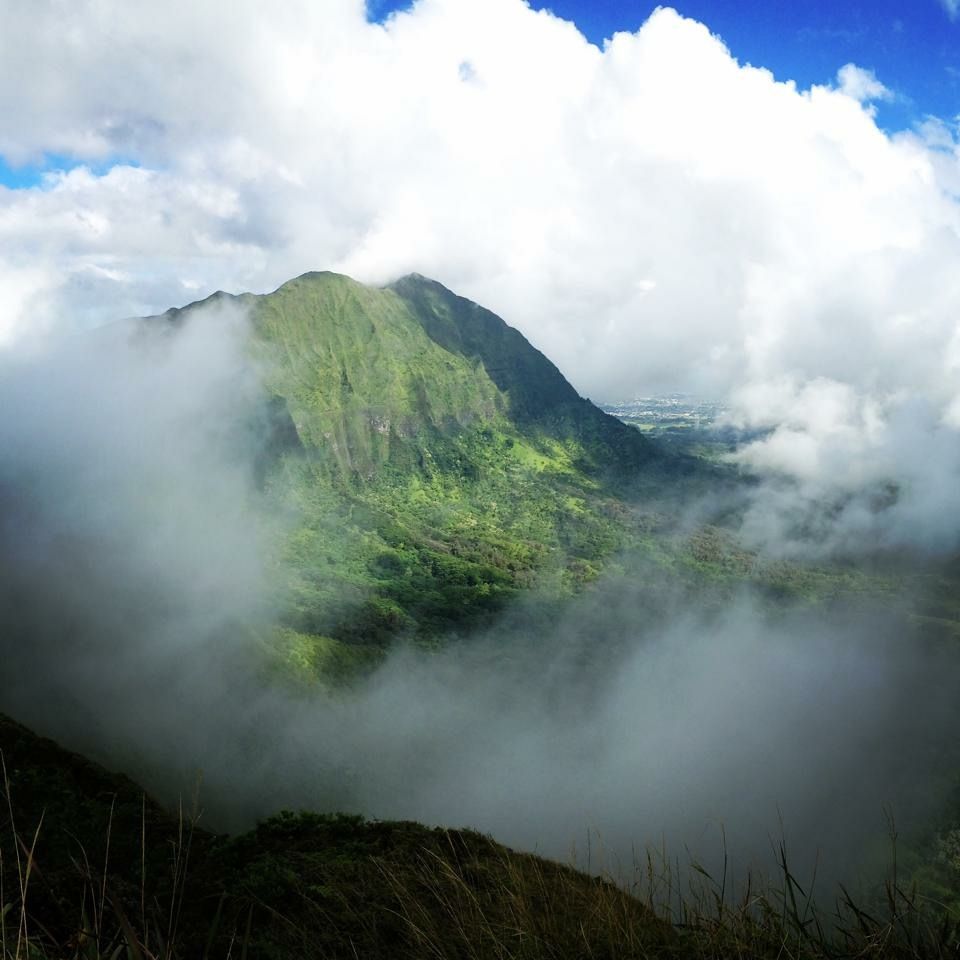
(92, 868)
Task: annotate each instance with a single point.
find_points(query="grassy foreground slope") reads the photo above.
(91, 868)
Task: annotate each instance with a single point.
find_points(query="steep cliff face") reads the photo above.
(436, 463)
(363, 381)
(374, 375)
(538, 397)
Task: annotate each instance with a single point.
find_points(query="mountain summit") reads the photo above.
(438, 463)
(379, 376)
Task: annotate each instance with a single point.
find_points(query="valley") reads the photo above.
(479, 480)
(450, 581)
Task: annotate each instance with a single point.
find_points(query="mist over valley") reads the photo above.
(487, 474)
(327, 578)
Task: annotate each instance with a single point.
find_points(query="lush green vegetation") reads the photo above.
(430, 465)
(427, 465)
(424, 466)
(91, 868)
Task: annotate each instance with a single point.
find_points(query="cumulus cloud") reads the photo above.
(861, 84)
(654, 215)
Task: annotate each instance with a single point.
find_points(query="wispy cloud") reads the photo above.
(861, 84)
(952, 7)
(790, 248)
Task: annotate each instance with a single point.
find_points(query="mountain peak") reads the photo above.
(414, 278)
(318, 276)
(376, 375)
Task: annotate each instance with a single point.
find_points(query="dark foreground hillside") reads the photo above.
(92, 868)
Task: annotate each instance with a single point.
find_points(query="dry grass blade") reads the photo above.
(133, 945)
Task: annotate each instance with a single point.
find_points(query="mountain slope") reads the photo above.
(91, 867)
(379, 375)
(111, 873)
(538, 394)
(437, 464)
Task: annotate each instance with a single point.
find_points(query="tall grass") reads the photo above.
(538, 910)
(457, 895)
(101, 928)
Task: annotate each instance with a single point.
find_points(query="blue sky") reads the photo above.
(32, 174)
(914, 47)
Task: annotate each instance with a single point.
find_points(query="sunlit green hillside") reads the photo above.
(428, 465)
(431, 464)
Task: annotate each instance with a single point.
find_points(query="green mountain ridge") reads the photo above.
(364, 383)
(433, 466)
(369, 371)
(537, 391)
(438, 462)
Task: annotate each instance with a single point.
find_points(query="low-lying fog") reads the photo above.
(131, 593)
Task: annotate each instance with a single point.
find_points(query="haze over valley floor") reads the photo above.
(399, 567)
(287, 507)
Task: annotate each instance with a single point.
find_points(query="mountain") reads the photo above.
(439, 464)
(425, 465)
(378, 376)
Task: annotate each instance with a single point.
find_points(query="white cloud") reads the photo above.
(653, 215)
(952, 8)
(21, 291)
(861, 84)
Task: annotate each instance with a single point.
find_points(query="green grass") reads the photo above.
(90, 869)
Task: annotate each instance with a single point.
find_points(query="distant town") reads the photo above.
(683, 422)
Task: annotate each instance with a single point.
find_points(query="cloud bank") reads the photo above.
(654, 215)
(131, 546)
(134, 586)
